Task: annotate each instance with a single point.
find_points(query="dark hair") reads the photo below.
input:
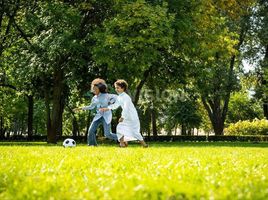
(122, 83)
(102, 87)
(96, 81)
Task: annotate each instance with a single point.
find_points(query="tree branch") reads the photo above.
(23, 35)
(8, 86)
(207, 107)
(140, 85)
(231, 70)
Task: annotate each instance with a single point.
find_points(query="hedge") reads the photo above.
(255, 127)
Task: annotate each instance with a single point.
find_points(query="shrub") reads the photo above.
(255, 127)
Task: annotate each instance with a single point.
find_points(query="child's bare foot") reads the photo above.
(122, 144)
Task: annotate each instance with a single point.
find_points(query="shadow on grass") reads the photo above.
(151, 144)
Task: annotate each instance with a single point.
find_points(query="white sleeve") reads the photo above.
(115, 105)
(112, 99)
(92, 105)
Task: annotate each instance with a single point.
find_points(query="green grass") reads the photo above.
(163, 171)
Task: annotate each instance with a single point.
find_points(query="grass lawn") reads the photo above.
(163, 171)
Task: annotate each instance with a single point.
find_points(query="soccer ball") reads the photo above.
(69, 143)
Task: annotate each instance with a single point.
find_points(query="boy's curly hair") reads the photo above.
(97, 81)
(122, 83)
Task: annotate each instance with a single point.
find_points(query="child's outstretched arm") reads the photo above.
(113, 106)
(112, 98)
(92, 105)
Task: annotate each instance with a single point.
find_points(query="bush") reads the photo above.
(255, 127)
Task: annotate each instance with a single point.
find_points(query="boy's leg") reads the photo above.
(107, 130)
(92, 133)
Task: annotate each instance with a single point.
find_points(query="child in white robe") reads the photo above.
(128, 128)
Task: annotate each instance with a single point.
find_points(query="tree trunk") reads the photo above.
(140, 85)
(147, 122)
(56, 123)
(75, 127)
(47, 102)
(218, 124)
(30, 116)
(183, 129)
(154, 127)
(149, 132)
(22, 128)
(265, 84)
(8, 134)
(2, 133)
(265, 110)
(215, 115)
(191, 131)
(62, 105)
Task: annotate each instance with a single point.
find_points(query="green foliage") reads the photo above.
(13, 109)
(182, 110)
(75, 100)
(256, 48)
(178, 171)
(53, 26)
(242, 107)
(134, 39)
(221, 31)
(39, 119)
(255, 127)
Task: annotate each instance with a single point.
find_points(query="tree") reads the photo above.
(261, 28)
(54, 52)
(242, 107)
(9, 11)
(134, 39)
(220, 35)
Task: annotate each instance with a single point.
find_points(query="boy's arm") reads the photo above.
(92, 105)
(114, 106)
(112, 98)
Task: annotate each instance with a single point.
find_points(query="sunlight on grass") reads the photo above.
(180, 171)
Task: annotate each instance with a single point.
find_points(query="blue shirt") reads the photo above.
(103, 100)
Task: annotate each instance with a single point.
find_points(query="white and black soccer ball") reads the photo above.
(69, 143)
